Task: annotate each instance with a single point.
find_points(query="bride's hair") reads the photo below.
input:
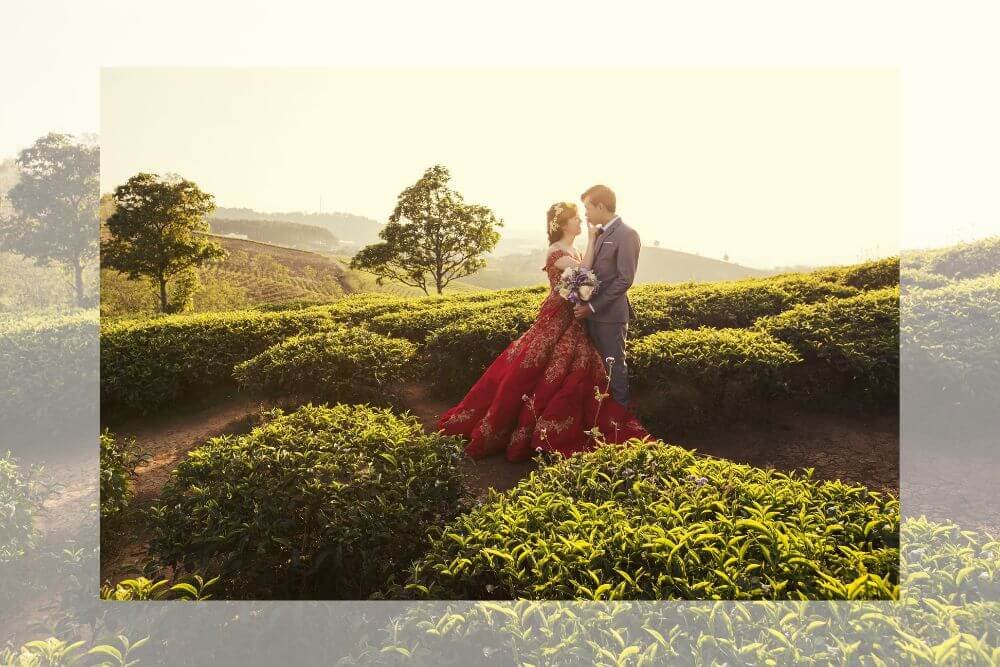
(557, 216)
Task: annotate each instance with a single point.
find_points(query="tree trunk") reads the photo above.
(163, 295)
(78, 281)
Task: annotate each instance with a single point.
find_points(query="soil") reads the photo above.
(853, 449)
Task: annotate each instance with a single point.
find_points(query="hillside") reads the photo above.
(655, 265)
(355, 231)
(277, 232)
(256, 274)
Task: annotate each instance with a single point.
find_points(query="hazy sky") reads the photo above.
(950, 140)
(773, 167)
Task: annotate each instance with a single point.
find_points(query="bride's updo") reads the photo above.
(557, 216)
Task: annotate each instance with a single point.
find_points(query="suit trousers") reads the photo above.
(609, 339)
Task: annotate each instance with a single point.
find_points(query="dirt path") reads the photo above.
(838, 447)
(495, 471)
(166, 439)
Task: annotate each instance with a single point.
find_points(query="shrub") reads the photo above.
(118, 463)
(710, 356)
(707, 373)
(950, 340)
(344, 364)
(921, 279)
(193, 587)
(735, 304)
(417, 323)
(145, 364)
(652, 521)
(360, 307)
(48, 374)
(55, 652)
(875, 274)
(20, 498)
(962, 261)
(935, 621)
(853, 341)
(327, 501)
(461, 351)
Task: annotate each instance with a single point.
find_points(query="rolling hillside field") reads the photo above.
(256, 274)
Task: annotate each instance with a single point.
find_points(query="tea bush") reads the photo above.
(461, 351)
(46, 361)
(416, 324)
(56, 652)
(146, 364)
(193, 587)
(360, 307)
(725, 368)
(921, 279)
(961, 261)
(950, 340)
(327, 501)
(349, 364)
(735, 304)
(652, 521)
(935, 621)
(854, 342)
(20, 498)
(118, 461)
(875, 274)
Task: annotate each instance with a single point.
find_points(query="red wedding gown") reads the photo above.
(540, 391)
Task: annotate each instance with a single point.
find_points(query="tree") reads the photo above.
(153, 231)
(656, 243)
(725, 257)
(54, 205)
(433, 237)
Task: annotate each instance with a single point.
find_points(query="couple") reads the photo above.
(550, 388)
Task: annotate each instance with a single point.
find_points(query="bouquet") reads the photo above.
(577, 284)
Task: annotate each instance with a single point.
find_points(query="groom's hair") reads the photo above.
(601, 194)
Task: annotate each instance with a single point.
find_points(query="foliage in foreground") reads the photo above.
(652, 521)
(191, 588)
(118, 461)
(942, 617)
(327, 501)
(19, 502)
(55, 652)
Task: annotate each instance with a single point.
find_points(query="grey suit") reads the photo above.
(615, 262)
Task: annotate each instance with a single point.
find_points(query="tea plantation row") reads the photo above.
(147, 364)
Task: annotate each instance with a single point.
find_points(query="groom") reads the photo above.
(615, 260)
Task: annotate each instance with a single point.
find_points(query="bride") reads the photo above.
(549, 389)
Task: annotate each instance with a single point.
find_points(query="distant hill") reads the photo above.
(277, 232)
(352, 230)
(656, 265)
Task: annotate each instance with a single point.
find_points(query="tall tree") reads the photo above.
(153, 230)
(54, 205)
(433, 237)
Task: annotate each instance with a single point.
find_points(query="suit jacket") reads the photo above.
(615, 261)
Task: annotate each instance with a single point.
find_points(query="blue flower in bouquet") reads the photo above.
(577, 284)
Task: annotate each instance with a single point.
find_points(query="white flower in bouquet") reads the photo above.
(577, 284)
